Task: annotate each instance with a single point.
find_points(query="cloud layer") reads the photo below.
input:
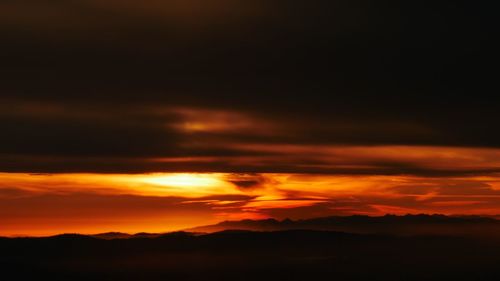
(105, 86)
(301, 109)
(90, 203)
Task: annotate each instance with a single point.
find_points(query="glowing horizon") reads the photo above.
(162, 202)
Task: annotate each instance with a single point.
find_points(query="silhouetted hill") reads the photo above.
(246, 255)
(112, 235)
(120, 235)
(146, 235)
(389, 224)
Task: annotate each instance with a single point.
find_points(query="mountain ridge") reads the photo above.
(421, 224)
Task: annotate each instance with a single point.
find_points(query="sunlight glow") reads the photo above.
(183, 180)
(187, 185)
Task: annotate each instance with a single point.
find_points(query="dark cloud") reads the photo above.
(324, 72)
(249, 181)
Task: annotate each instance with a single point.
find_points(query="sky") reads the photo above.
(163, 115)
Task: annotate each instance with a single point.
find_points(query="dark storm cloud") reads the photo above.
(323, 72)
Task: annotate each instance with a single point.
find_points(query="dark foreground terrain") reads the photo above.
(244, 255)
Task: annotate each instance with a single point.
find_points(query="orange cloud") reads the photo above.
(38, 204)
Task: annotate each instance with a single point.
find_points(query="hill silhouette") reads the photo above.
(249, 255)
(377, 248)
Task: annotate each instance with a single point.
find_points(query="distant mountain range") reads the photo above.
(407, 225)
(388, 224)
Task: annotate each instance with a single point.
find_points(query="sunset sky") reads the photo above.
(163, 115)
